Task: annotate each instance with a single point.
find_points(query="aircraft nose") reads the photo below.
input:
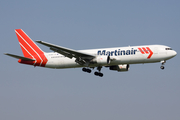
(174, 53)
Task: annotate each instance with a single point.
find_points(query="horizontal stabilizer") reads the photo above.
(19, 57)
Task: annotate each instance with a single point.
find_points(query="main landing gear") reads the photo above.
(98, 73)
(162, 66)
(95, 73)
(86, 70)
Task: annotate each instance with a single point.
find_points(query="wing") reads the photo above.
(81, 58)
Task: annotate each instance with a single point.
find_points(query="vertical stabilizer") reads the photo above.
(30, 49)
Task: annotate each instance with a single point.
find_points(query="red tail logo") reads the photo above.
(30, 49)
(146, 50)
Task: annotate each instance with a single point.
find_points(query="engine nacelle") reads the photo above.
(120, 68)
(102, 60)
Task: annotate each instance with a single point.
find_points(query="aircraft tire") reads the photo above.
(101, 74)
(98, 74)
(84, 69)
(162, 67)
(88, 70)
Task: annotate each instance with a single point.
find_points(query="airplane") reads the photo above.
(117, 58)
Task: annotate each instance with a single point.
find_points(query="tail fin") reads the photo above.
(30, 49)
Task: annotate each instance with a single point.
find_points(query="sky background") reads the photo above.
(144, 93)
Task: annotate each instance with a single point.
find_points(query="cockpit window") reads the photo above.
(168, 48)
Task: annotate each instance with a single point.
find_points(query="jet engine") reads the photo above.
(102, 60)
(120, 68)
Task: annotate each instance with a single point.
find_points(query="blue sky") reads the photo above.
(144, 92)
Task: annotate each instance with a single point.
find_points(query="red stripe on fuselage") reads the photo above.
(145, 50)
(151, 53)
(141, 50)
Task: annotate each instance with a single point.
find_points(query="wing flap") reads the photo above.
(19, 57)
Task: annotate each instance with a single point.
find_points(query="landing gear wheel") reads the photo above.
(86, 70)
(162, 64)
(98, 74)
(162, 67)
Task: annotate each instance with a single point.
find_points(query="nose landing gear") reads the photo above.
(162, 66)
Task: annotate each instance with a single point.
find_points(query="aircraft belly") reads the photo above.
(61, 63)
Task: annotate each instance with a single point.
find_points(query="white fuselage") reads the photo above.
(118, 55)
